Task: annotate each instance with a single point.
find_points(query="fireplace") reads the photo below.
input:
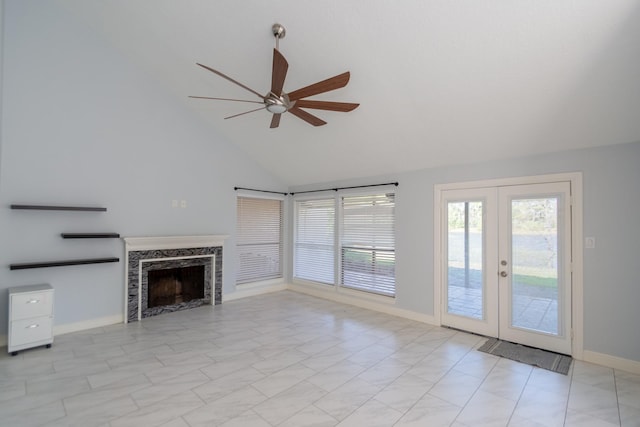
(175, 285)
(165, 274)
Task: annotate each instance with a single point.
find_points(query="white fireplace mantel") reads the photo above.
(173, 242)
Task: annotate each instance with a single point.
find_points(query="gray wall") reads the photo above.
(611, 204)
(82, 126)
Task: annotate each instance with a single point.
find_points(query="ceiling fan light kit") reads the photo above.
(278, 102)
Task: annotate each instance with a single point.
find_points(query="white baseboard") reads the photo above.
(362, 303)
(78, 326)
(614, 362)
(87, 324)
(253, 291)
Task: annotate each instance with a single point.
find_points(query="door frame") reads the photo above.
(577, 291)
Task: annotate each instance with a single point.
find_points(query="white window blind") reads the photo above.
(368, 243)
(314, 255)
(259, 239)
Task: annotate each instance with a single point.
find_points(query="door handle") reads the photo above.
(503, 274)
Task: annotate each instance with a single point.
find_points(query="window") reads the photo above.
(315, 240)
(366, 236)
(259, 239)
(367, 244)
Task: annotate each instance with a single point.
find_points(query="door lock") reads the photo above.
(503, 274)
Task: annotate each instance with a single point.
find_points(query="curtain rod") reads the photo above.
(261, 191)
(347, 188)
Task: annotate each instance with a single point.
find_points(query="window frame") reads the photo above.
(283, 247)
(296, 202)
(337, 196)
(365, 193)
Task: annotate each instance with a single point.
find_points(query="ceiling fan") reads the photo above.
(278, 102)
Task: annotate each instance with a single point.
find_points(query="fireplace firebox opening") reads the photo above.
(175, 285)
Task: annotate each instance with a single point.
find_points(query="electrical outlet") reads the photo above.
(590, 242)
(183, 204)
(174, 203)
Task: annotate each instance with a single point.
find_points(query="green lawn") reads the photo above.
(543, 282)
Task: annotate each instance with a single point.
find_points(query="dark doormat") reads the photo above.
(532, 356)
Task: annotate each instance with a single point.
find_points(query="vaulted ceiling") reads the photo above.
(440, 82)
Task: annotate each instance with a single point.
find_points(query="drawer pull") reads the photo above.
(32, 326)
(33, 301)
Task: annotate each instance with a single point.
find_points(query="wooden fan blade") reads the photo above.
(326, 105)
(226, 99)
(246, 112)
(332, 83)
(309, 118)
(231, 80)
(275, 121)
(279, 72)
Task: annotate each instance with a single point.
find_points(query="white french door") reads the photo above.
(507, 263)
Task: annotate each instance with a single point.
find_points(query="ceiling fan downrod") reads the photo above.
(278, 32)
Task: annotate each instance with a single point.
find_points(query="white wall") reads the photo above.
(611, 205)
(82, 126)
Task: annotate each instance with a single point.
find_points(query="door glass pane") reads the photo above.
(534, 271)
(465, 278)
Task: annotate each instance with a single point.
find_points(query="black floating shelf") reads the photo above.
(90, 235)
(62, 263)
(59, 208)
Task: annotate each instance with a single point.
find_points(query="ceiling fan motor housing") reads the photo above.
(277, 104)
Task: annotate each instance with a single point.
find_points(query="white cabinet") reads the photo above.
(30, 317)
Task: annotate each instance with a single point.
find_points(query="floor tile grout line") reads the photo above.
(301, 410)
(263, 419)
(566, 408)
(372, 397)
(415, 403)
(524, 387)
(204, 403)
(477, 388)
(267, 398)
(615, 388)
(441, 377)
(323, 411)
(314, 402)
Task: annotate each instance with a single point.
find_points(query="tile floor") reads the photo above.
(290, 360)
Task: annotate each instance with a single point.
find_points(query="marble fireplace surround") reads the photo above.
(151, 253)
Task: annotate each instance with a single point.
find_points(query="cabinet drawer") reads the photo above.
(31, 331)
(32, 304)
